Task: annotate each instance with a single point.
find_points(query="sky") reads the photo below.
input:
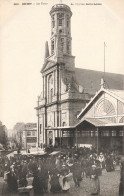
(24, 30)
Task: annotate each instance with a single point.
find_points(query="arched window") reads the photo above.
(50, 88)
(60, 17)
(104, 108)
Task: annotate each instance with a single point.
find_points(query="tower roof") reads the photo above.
(58, 7)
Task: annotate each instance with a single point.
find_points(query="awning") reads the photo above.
(96, 122)
(99, 122)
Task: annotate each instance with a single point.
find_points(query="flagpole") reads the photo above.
(104, 75)
(104, 59)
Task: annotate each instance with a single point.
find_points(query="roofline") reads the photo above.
(102, 125)
(58, 128)
(86, 107)
(113, 73)
(74, 127)
(95, 97)
(112, 125)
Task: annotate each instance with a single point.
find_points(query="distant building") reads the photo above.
(65, 89)
(29, 136)
(17, 134)
(3, 134)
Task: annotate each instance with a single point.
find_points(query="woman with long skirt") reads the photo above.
(95, 183)
(65, 178)
(55, 185)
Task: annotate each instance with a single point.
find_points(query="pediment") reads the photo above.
(47, 65)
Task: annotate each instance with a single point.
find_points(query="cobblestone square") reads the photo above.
(109, 186)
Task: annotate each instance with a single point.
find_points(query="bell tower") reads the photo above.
(60, 30)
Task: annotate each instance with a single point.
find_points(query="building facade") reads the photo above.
(29, 136)
(66, 89)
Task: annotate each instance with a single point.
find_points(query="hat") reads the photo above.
(93, 166)
(101, 153)
(63, 165)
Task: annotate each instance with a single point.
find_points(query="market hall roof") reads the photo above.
(118, 94)
(98, 122)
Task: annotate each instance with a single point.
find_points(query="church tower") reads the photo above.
(61, 30)
(60, 100)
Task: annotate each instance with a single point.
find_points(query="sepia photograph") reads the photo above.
(61, 97)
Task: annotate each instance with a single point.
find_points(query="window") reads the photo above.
(33, 133)
(53, 21)
(62, 43)
(60, 17)
(114, 133)
(52, 46)
(28, 133)
(68, 22)
(104, 108)
(106, 133)
(60, 22)
(68, 47)
(120, 133)
(51, 94)
(40, 128)
(50, 88)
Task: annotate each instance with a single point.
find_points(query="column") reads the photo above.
(97, 140)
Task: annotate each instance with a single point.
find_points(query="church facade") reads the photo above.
(66, 89)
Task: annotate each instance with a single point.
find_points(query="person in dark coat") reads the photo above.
(12, 180)
(109, 164)
(55, 185)
(121, 185)
(77, 173)
(36, 182)
(23, 173)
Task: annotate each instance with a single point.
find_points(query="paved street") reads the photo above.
(109, 185)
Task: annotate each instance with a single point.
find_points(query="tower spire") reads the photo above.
(46, 50)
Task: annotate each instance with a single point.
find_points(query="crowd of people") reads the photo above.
(54, 173)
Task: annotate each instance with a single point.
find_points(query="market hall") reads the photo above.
(101, 123)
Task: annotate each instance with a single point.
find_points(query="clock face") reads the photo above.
(104, 108)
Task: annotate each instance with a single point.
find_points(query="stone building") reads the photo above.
(66, 89)
(29, 136)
